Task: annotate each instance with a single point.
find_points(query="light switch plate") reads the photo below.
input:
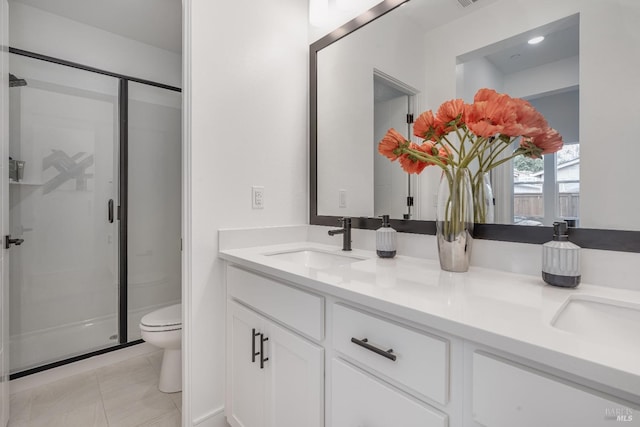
(257, 197)
(342, 198)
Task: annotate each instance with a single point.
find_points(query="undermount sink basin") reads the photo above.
(600, 319)
(312, 258)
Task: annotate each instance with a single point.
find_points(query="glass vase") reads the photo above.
(454, 219)
(483, 199)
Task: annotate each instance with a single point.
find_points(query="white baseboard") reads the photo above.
(214, 418)
(86, 365)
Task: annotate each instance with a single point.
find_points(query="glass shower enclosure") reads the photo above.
(84, 275)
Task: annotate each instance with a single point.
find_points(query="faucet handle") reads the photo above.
(345, 221)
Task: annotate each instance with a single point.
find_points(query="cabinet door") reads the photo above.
(295, 378)
(506, 395)
(245, 380)
(358, 399)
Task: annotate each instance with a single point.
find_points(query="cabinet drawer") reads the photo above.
(360, 400)
(422, 361)
(297, 309)
(506, 394)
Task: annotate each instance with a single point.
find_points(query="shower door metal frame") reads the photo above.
(121, 210)
(122, 215)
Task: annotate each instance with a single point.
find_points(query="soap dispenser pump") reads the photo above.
(561, 259)
(386, 239)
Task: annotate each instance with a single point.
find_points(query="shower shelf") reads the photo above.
(24, 183)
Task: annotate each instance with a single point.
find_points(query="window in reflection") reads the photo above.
(546, 190)
(529, 198)
(568, 180)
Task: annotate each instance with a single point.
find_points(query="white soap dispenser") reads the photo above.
(561, 259)
(386, 239)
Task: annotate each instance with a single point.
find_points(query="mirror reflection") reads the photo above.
(542, 67)
(426, 52)
(392, 108)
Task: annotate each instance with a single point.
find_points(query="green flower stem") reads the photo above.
(450, 146)
(462, 140)
(480, 210)
(455, 210)
(515, 154)
(494, 155)
(422, 156)
(475, 147)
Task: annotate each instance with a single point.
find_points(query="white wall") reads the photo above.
(247, 90)
(476, 74)
(327, 15)
(48, 34)
(553, 76)
(607, 72)
(561, 111)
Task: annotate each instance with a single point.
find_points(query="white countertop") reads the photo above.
(510, 312)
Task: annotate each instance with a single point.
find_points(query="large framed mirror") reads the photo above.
(405, 57)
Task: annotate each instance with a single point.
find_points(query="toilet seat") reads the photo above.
(164, 319)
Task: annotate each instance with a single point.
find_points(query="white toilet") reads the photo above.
(163, 328)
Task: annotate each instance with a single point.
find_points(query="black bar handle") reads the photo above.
(254, 334)
(110, 210)
(262, 358)
(384, 353)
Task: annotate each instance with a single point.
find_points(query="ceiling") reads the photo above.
(430, 14)
(154, 22)
(510, 55)
(559, 43)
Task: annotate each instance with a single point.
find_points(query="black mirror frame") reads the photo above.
(613, 240)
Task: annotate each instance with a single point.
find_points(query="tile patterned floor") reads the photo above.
(121, 395)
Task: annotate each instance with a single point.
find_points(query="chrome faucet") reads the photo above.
(346, 233)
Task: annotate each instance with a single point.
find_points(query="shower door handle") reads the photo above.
(110, 210)
(8, 241)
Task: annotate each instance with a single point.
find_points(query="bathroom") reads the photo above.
(244, 76)
(94, 197)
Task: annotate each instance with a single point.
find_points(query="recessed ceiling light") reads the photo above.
(536, 40)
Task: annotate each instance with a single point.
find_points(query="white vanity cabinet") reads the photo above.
(360, 399)
(275, 362)
(505, 394)
(381, 362)
(385, 371)
(275, 377)
(397, 353)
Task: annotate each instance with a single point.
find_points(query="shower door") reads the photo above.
(154, 201)
(63, 195)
